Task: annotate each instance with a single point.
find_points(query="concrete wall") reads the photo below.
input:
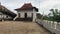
(29, 14)
(53, 27)
(22, 13)
(34, 15)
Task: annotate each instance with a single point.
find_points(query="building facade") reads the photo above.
(26, 13)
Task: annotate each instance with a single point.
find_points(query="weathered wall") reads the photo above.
(22, 13)
(29, 14)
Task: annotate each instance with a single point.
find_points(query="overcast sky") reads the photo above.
(42, 5)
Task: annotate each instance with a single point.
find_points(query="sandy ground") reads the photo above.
(19, 27)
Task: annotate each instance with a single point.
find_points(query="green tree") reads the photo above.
(39, 16)
(56, 14)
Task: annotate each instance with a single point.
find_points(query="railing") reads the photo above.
(53, 27)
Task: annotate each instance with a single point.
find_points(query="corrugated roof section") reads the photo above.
(6, 11)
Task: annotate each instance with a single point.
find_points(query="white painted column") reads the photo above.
(34, 15)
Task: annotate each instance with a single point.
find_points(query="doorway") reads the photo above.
(25, 15)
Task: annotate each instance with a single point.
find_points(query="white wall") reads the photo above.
(22, 13)
(29, 14)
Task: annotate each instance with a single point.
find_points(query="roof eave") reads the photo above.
(36, 9)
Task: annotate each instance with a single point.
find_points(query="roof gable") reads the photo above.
(27, 6)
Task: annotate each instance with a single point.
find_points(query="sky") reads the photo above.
(43, 5)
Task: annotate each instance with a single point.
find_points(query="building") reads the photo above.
(27, 12)
(6, 14)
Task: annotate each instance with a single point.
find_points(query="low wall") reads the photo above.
(53, 27)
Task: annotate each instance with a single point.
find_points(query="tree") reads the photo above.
(39, 15)
(56, 15)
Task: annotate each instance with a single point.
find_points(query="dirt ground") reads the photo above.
(19, 27)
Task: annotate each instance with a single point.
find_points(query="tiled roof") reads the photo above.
(26, 6)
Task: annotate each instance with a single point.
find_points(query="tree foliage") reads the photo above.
(39, 15)
(56, 15)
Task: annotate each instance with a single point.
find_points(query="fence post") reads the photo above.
(55, 23)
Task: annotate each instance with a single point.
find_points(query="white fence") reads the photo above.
(53, 27)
